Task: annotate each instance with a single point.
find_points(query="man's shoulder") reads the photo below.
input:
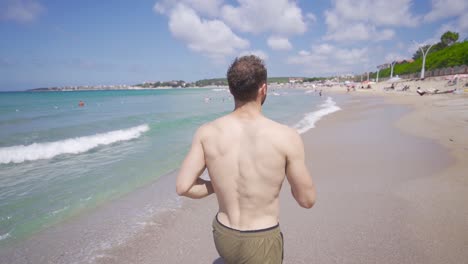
(204, 129)
(211, 127)
(214, 124)
(280, 131)
(281, 128)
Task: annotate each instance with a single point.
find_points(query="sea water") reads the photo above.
(59, 159)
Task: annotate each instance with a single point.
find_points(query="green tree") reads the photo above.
(448, 38)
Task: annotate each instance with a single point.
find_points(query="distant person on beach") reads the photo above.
(420, 91)
(248, 156)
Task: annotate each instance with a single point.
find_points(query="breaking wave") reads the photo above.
(309, 120)
(48, 150)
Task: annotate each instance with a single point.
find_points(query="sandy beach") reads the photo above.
(110, 110)
(389, 191)
(390, 170)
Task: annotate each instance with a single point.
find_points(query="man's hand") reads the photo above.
(200, 189)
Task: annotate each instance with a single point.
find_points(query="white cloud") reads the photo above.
(456, 10)
(359, 32)
(463, 24)
(21, 11)
(255, 16)
(259, 53)
(385, 34)
(377, 12)
(279, 43)
(252, 16)
(459, 25)
(361, 20)
(209, 8)
(329, 59)
(446, 8)
(311, 17)
(324, 49)
(209, 37)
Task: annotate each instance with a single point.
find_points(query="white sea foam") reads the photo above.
(4, 218)
(86, 199)
(59, 210)
(4, 236)
(309, 120)
(219, 90)
(48, 150)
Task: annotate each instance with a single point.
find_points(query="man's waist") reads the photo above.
(257, 224)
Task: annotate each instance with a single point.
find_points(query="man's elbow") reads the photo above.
(307, 204)
(305, 200)
(181, 189)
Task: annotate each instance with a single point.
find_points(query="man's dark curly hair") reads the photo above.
(245, 75)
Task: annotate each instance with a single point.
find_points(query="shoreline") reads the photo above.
(187, 233)
(122, 89)
(324, 234)
(80, 238)
(181, 235)
(14, 234)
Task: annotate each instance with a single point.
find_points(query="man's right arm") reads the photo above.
(302, 187)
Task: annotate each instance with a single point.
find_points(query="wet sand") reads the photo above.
(392, 188)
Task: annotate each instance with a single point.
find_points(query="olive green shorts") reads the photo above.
(248, 247)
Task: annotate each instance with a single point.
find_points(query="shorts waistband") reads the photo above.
(217, 225)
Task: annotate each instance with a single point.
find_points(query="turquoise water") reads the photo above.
(58, 160)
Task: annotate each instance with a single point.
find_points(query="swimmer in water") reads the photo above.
(81, 104)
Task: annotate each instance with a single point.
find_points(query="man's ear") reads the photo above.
(263, 89)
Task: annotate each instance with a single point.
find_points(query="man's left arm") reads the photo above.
(188, 182)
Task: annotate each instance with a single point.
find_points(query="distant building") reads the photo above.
(346, 76)
(388, 65)
(405, 60)
(296, 80)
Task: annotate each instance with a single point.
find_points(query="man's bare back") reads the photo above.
(247, 156)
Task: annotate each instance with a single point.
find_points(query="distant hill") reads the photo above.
(209, 82)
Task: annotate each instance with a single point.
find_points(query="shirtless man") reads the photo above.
(247, 156)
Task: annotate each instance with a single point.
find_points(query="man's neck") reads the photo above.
(248, 110)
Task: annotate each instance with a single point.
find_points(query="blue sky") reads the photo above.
(57, 43)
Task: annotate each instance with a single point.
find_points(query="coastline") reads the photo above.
(375, 176)
(357, 219)
(128, 88)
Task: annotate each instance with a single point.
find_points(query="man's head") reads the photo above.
(246, 76)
